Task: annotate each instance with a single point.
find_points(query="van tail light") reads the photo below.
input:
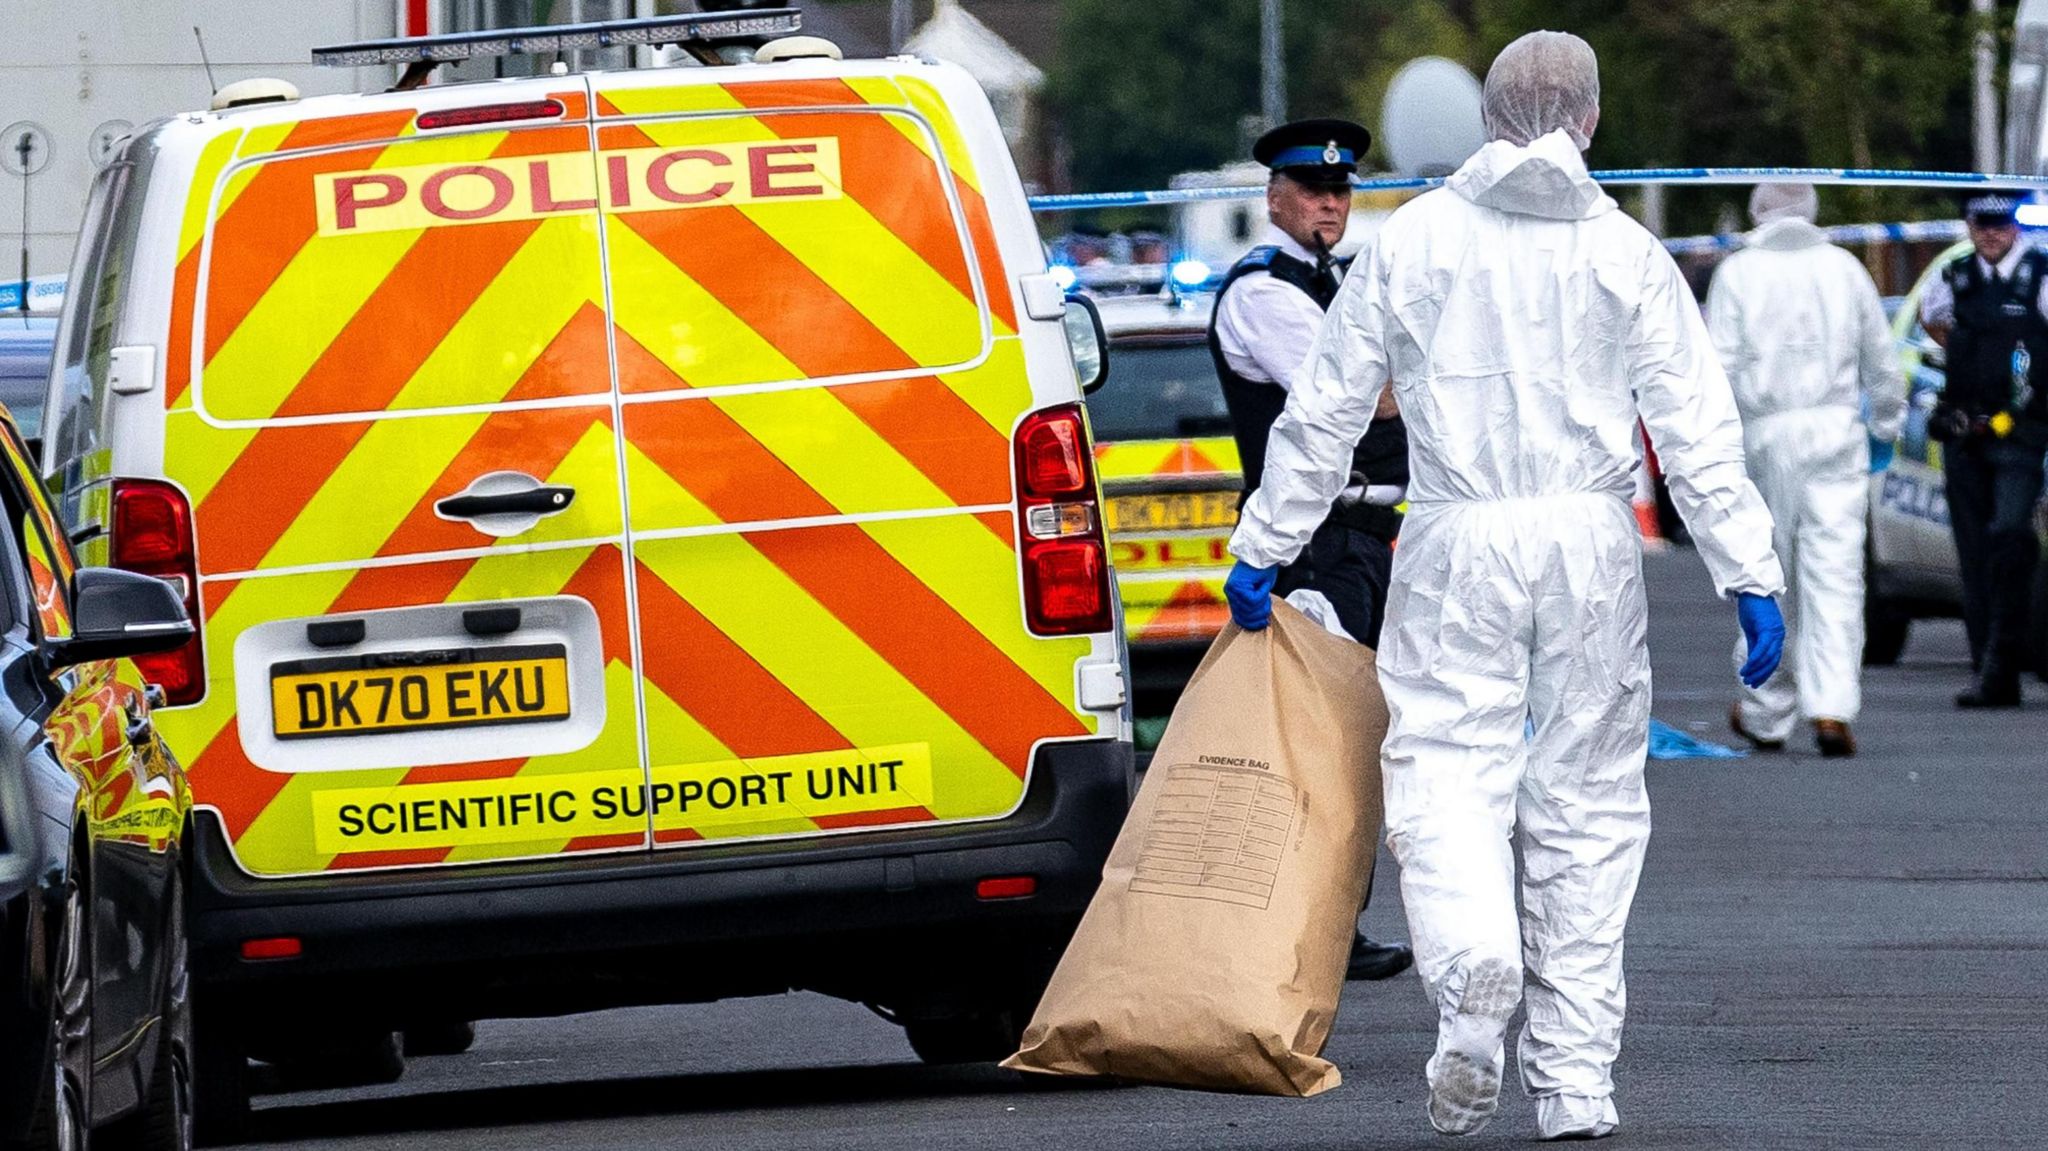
(1066, 565)
(153, 535)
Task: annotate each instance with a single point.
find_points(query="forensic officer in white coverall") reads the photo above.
(1803, 335)
(1524, 324)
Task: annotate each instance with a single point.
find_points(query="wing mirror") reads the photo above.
(1087, 341)
(120, 613)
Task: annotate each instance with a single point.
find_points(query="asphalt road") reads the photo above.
(1823, 954)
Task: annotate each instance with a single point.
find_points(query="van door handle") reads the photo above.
(541, 501)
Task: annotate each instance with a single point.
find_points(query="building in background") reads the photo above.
(81, 75)
(1006, 45)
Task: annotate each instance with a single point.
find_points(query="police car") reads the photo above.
(1912, 572)
(644, 532)
(1170, 475)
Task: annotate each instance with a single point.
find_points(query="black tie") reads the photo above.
(1326, 281)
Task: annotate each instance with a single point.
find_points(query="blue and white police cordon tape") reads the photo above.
(1668, 177)
(1191, 276)
(1906, 232)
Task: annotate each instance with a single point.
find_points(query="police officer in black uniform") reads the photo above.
(1989, 310)
(1267, 313)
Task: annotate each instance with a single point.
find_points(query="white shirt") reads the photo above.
(1266, 326)
(1938, 301)
(1525, 323)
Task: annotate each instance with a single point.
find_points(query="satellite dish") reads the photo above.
(1430, 123)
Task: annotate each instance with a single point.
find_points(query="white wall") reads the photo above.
(72, 66)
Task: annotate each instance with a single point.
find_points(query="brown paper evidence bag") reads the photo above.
(1213, 954)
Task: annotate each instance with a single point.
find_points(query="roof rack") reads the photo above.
(701, 34)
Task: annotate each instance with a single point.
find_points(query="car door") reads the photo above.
(820, 369)
(401, 313)
(132, 797)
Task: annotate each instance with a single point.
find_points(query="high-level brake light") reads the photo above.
(490, 114)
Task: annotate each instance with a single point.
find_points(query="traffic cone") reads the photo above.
(1645, 501)
(1646, 522)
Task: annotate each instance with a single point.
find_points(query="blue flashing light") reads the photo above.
(1065, 277)
(2032, 215)
(1190, 273)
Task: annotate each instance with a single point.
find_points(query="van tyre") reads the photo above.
(164, 1122)
(220, 1076)
(344, 1061)
(439, 1039)
(982, 1037)
(1886, 625)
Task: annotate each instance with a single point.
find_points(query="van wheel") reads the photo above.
(220, 1078)
(1886, 624)
(983, 1037)
(439, 1039)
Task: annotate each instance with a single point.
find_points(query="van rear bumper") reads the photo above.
(886, 916)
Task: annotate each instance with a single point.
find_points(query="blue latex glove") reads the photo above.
(1764, 628)
(1250, 592)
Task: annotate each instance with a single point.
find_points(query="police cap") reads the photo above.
(1314, 151)
(1991, 208)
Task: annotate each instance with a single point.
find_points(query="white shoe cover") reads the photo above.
(1471, 1048)
(1575, 1117)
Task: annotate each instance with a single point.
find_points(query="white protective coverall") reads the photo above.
(1803, 335)
(1524, 323)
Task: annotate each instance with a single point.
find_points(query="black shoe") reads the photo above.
(1371, 960)
(2003, 691)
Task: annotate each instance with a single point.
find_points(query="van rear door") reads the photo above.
(820, 372)
(392, 410)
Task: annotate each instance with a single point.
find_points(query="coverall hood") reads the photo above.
(1547, 178)
(1787, 235)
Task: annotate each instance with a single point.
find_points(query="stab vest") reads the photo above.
(1381, 456)
(1998, 349)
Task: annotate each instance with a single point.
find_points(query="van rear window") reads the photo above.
(391, 278)
(785, 246)
(468, 271)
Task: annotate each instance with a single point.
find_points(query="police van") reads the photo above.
(644, 534)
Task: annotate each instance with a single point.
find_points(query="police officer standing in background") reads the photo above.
(1267, 313)
(1989, 310)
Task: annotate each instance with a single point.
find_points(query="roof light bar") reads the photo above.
(694, 28)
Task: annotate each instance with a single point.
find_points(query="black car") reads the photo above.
(94, 1019)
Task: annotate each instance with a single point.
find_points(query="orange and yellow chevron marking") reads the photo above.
(50, 591)
(866, 698)
(267, 812)
(868, 588)
(796, 640)
(1160, 610)
(896, 181)
(926, 423)
(1146, 459)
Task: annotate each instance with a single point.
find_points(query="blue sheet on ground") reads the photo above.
(1667, 742)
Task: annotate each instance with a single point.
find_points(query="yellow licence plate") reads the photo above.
(1172, 511)
(419, 690)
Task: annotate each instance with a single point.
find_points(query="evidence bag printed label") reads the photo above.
(724, 794)
(1219, 833)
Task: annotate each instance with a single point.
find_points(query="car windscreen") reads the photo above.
(1158, 392)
